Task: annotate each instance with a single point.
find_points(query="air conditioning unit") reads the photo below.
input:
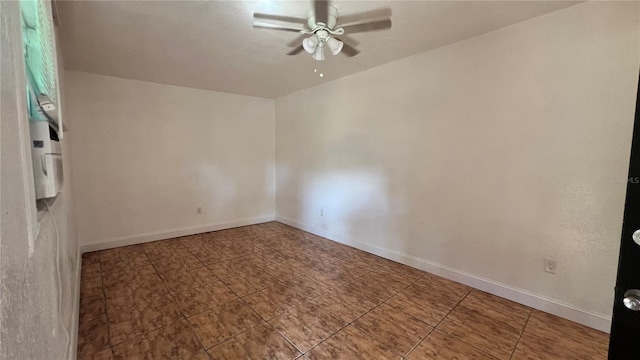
(46, 154)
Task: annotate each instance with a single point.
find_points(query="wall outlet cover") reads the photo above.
(550, 266)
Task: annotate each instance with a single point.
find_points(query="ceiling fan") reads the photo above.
(327, 29)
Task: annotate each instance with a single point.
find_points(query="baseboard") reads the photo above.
(559, 308)
(168, 234)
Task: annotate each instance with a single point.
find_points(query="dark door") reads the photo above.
(625, 328)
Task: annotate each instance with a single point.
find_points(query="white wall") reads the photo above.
(31, 327)
(146, 155)
(479, 159)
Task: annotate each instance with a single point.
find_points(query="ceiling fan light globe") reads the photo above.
(318, 54)
(335, 45)
(310, 44)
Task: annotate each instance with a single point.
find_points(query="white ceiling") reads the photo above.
(212, 44)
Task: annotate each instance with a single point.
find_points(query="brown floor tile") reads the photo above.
(497, 308)
(446, 289)
(388, 276)
(533, 347)
(550, 337)
(233, 268)
(307, 325)
(90, 258)
(407, 273)
(379, 288)
(92, 307)
(128, 277)
(130, 251)
(208, 257)
(494, 337)
(354, 266)
(553, 327)
(326, 298)
(429, 299)
(91, 287)
(159, 254)
(350, 343)
(203, 275)
(91, 270)
(126, 330)
(264, 258)
(204, 297)
(339, 273)
(307, 288)
(250, 282)
(387, 283)
(274, 300)
(175, 341)
(440, 346)
(373, 261)
(424, 306)
(129, 303)
(183, 281)
(132, 316)
(174, 265)
(261, 342)
(317, 279)
(104, 354)
(224, 322)
(108, 254)
(114, 265)
(93, 336)
(392, 329)
(286, 270)
(126, 259)
(140, 288)
(346, 303)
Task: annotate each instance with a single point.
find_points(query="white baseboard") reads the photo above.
(168, 234)
(559, 308)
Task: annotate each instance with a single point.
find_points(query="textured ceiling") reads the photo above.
(212, 44)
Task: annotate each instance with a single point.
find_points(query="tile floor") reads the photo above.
(270, 291)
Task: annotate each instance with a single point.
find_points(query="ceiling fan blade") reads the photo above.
(349, 50)
(349, 40)
(297, 41)
(321, 9)
(367, 26)
(275, 27)
(366, 15)
(296, 51)
(290, 19)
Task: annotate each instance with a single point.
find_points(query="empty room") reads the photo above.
(320, 180)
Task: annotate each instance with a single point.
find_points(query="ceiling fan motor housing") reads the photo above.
(332, 18)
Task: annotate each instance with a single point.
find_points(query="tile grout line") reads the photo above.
(496, 320)
(404, 356)
(456, 337)
(418, 343)
(362, 315)
(146, 332)
(106, 312)
(521, 333)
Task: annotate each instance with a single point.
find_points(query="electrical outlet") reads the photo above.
(199, 210)
(321, 211)
(550, 266)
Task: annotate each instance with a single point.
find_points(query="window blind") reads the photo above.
(39, 47)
